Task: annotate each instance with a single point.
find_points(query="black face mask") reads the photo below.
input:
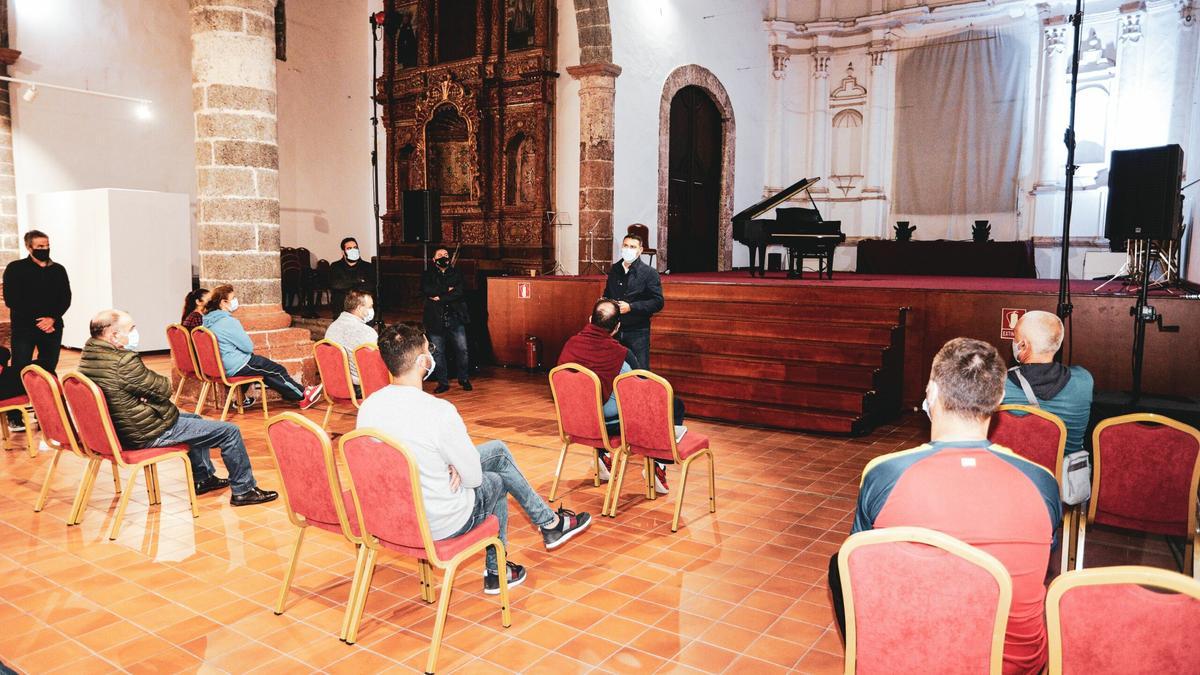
(42, 254)
(442, 262)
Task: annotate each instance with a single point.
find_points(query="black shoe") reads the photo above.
(253, 496)
(466, 385)
(569, 525)
(491, 580)
(211, 484)
(441, 389)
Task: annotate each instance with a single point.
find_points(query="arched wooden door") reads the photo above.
(693, 182)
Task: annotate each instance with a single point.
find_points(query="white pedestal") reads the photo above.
(123, 249)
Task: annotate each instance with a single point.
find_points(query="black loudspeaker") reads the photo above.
(1143, 194)
(422, 216)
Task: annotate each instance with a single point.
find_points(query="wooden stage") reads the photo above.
(840, 355)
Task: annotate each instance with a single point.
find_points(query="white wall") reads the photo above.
(651, 38)
(324, 112)
(68, 141)
(566, 140)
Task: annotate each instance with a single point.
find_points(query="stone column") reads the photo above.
(597, 101)
(878, 120)
(1130, 90)
(237, 169)
(1052, 168)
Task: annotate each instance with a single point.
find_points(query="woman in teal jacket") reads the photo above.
(237, 351)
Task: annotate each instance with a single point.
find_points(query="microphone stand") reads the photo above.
(1064, 281)
(377, 20)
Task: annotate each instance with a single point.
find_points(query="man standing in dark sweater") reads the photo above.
(638, 292)
(38, 293)
(446, 316)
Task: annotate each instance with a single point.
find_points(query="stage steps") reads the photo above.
(773, 360)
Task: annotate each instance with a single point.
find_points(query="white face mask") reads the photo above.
(233, 305)
(930, 393)
(353, 254)
(432, 365)
(369, 315)
(134, 339)
(629, 254)
(1016, 351)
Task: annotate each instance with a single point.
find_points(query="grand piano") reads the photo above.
(801, 230)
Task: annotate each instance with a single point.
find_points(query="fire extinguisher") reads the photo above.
(533, 353)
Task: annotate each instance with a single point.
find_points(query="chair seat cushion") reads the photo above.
(137, 456)
(448, 548)
(14, 402)
(690, 444)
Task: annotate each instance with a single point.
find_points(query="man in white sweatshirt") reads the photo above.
(462, 484)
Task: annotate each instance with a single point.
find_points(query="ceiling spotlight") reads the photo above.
(143, 111)
(30, 94)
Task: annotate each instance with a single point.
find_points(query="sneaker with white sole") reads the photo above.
(569, 525)
(605, 470)
(660, 478)
(311, 396)
(491, 580)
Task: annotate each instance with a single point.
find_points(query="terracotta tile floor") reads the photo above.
(742, 590)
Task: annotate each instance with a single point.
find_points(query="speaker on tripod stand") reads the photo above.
(422, 216)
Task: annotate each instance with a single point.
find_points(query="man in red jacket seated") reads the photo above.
(961, 484)
(597, 349)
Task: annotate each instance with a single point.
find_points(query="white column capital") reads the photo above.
(820, 65)
(780, 55)
(1055, 40)
(1129, 25)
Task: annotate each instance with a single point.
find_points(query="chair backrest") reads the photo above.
(387, 492)
(45, 395)
(643, 232)
(1146, 469)
(1032, 433)
(183, 355)
(334, 368)
(647, 407)
(373, 374)
(1117, 620)
(576, 392)
(921, 601)
(89, 410)
(208, 354)
(311, 488)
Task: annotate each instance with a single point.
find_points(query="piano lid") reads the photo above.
(770, 202)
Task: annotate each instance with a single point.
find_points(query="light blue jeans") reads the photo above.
(201, 436)
(502, 477)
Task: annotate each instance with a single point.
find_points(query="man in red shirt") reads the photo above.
(961, 484)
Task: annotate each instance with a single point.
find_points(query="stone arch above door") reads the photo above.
(699, 76)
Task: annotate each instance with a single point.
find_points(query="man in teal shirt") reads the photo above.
(1058, 389)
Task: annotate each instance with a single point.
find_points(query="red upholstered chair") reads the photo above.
(1040, 437)
(45, 394)
(373, 374)
(643, 232)
(183, 363)
(334, 369)
(96, 433)
(646, 403)
(576, 391)
(387, 496)
(905, 587)
(1126, 620)
(1145, 472)
(312, 492)
(20, 404)
(208, 358)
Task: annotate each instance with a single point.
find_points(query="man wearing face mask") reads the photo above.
(38, 293)
(446, 318)
(350, 273)
(962, 485)
(139, 401)
(1038, 381)
(353, 328)
(638, 292)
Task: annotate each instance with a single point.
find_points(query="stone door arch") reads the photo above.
(699, 76)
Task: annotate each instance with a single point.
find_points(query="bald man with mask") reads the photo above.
(1038, 381)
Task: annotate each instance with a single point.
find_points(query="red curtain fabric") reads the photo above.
(1127, 629)
(1032, 437)
(1145, 477)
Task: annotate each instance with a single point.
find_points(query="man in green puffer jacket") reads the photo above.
(139, 402)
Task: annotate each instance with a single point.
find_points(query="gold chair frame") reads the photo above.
(148, 466)
(621, 459)
(31, 448)
(329, 400)
(371, 545)
(1190, 567)
(231, 386)
(566, 439)
(1101, 576)
(183, 377)
(945, 542)
(335, 486)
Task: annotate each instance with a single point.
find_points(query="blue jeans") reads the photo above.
(502, 477)
(458, 335)
(638, 342)
(203, 435)
(274, 376)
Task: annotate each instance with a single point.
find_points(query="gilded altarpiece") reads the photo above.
(467, 90)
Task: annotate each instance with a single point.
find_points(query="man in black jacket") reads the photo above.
(446, 316)
(38, 293)
(350, 273)
(638, 292)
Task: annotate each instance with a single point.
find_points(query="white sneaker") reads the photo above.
(660, 478)
(605, 470)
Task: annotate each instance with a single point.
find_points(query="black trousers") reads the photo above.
(24, 341)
